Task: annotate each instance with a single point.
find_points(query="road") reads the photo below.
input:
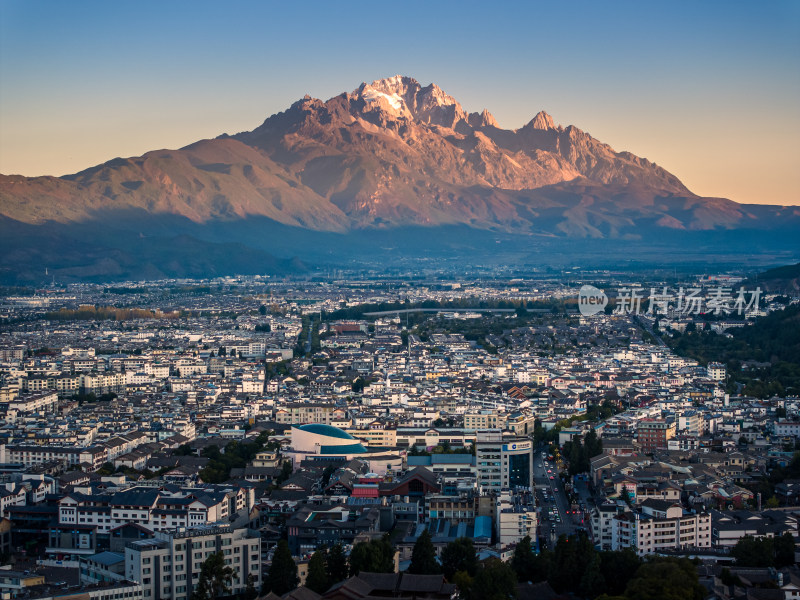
(649, 329)
(403, 311)
(556, 498)
(308, 341)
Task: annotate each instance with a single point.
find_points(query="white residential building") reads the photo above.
(168, 566)
(513, 520)
(656, 525)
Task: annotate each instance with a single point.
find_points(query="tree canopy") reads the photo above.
(317, 578)
(337, 564)
(375, 556)
(764, 552)
(495, 580)
(459, 556)
(215, 578)
(665, 579)
(282, 576)
(423, 556)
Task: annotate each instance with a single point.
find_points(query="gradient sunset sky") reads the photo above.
(708, 90)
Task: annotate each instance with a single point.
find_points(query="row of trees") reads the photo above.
(774, 342)
(443, 448)
(579, 453)
(105, 313)
(235, 455)
(764, 552)
(575, 567)
(328, 566)
(489, 580)
(357, 312)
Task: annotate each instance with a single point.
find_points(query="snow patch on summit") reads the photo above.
(370, 94)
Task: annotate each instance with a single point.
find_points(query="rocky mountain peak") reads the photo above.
(542, 121)
(404, 96)
(391, 153)
(483, 119)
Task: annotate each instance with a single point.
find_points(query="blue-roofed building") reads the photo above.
(457, 465)
(102, 567)
(444, 531)
(319, 441)
(326, 430)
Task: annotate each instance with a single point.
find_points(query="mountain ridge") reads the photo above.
(389, 155)
(329, 165)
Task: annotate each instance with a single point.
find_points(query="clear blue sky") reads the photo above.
(709, 90)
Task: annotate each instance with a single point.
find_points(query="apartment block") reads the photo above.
(168, 566)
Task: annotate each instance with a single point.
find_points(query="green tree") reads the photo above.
(753, 552)
(666, 579)
(317, 578)
(375, 556)
(423, 556)
(729, 578)
(286, 472)
(784, 550)
(183, 450)
(523, 561)
(542, 566)
(572, 555)
(250, 592)
(593, 444)
(463, 583)
(215, 578)
(592, 582)
(459, 555)
(495, 581)
(337, 564)
(361, 558)
(618, 567)
(282, 576)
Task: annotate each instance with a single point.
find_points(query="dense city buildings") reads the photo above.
(227, 416)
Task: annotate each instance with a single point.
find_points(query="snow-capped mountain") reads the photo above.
(389, 154)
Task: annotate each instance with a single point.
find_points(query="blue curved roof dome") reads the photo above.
(327, 430)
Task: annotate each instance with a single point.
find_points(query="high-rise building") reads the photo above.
(503, 461)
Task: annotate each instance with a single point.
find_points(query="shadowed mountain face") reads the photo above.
(388, 156)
